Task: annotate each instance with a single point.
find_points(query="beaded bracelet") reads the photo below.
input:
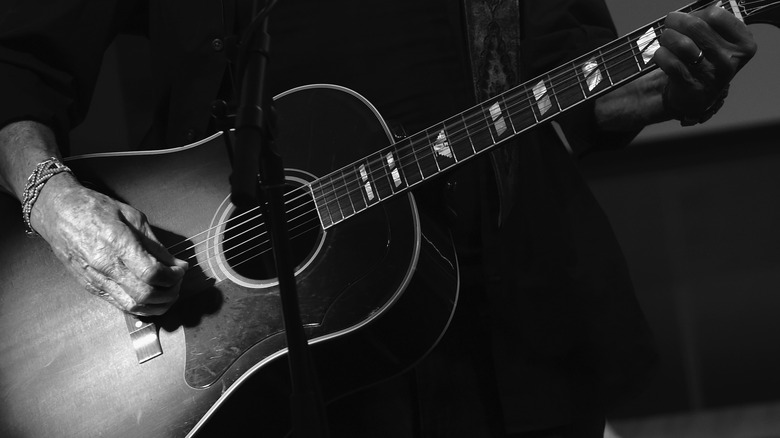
(42, 173)
(686, 120)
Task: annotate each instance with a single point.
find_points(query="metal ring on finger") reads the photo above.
(699, 58)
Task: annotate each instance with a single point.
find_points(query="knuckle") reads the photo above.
(134, 216)
(148, 273)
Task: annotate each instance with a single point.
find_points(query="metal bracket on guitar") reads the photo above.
(146, 342)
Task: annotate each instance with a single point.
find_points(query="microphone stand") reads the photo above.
(255, 155)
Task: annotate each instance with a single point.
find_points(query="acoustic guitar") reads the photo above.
(377, 282)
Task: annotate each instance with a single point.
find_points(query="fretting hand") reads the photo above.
(700, 53)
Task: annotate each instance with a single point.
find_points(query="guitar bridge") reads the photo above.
(146, 342)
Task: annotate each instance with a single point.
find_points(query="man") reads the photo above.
(549, 332)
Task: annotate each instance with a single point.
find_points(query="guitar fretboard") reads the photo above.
(412, 161)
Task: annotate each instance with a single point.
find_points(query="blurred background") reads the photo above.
(696, 210)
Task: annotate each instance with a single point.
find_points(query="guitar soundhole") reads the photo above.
(246, 243)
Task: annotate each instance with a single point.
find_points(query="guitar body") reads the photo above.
(376, 293)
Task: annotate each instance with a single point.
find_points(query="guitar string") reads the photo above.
(412, 144)
(481, 117)
(337, 196)
(472, 118)
(747, 12)
(476, 116)
(293, 221)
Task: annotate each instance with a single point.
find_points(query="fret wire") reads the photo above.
(403, 182)
(487, 119)
(415, 162)
(351, 182)
(346, 191)
(340, 193)
(467, 126)
(553, 96)
(634, 52)
(379, 179)
(399, 166)
(431, 149)
(337, 195)
(482, 125)
(325, 207)
(609, 74)
(581, 74)
(424, 154)
(451, 141)
(335, 201)
(503, 99)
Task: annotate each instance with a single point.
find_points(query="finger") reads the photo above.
(106, 288)
(681, 46)
(726, 25)
(735, 45)
(696, 29)
(671, 64)
(132, 247)
(170, 269)
(149, 310)
(112, 274)
(156, 248)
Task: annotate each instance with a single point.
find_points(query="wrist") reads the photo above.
(48, 182)
(692, 119)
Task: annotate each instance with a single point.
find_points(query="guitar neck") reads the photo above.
(414, 160)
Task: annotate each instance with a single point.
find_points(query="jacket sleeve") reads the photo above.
(556, 31)
(50, 56)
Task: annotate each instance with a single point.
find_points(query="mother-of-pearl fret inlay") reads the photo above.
(542, 99)
(592, 74)
(648, 44)
(367, 185)
(393, 169)
(441, 145)
(402, 166)
(498, 119)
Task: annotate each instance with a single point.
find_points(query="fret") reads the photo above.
(478, 130)
(321, 201)
(397, 177)
(487, 119)
(620, 61)
(354, 185)
(648, 43)
(423, 155)
(566, 87)
(603, 63)
(367, 183)
(441, 147)
(409, 163)
(383, 171)
(455, 127)
(506, 114)
(334, 211)
(542, 101)
(343, 204)
(497, 120)
(592, 76)
(519, 108)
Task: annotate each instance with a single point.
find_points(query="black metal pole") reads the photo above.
(258, 179)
